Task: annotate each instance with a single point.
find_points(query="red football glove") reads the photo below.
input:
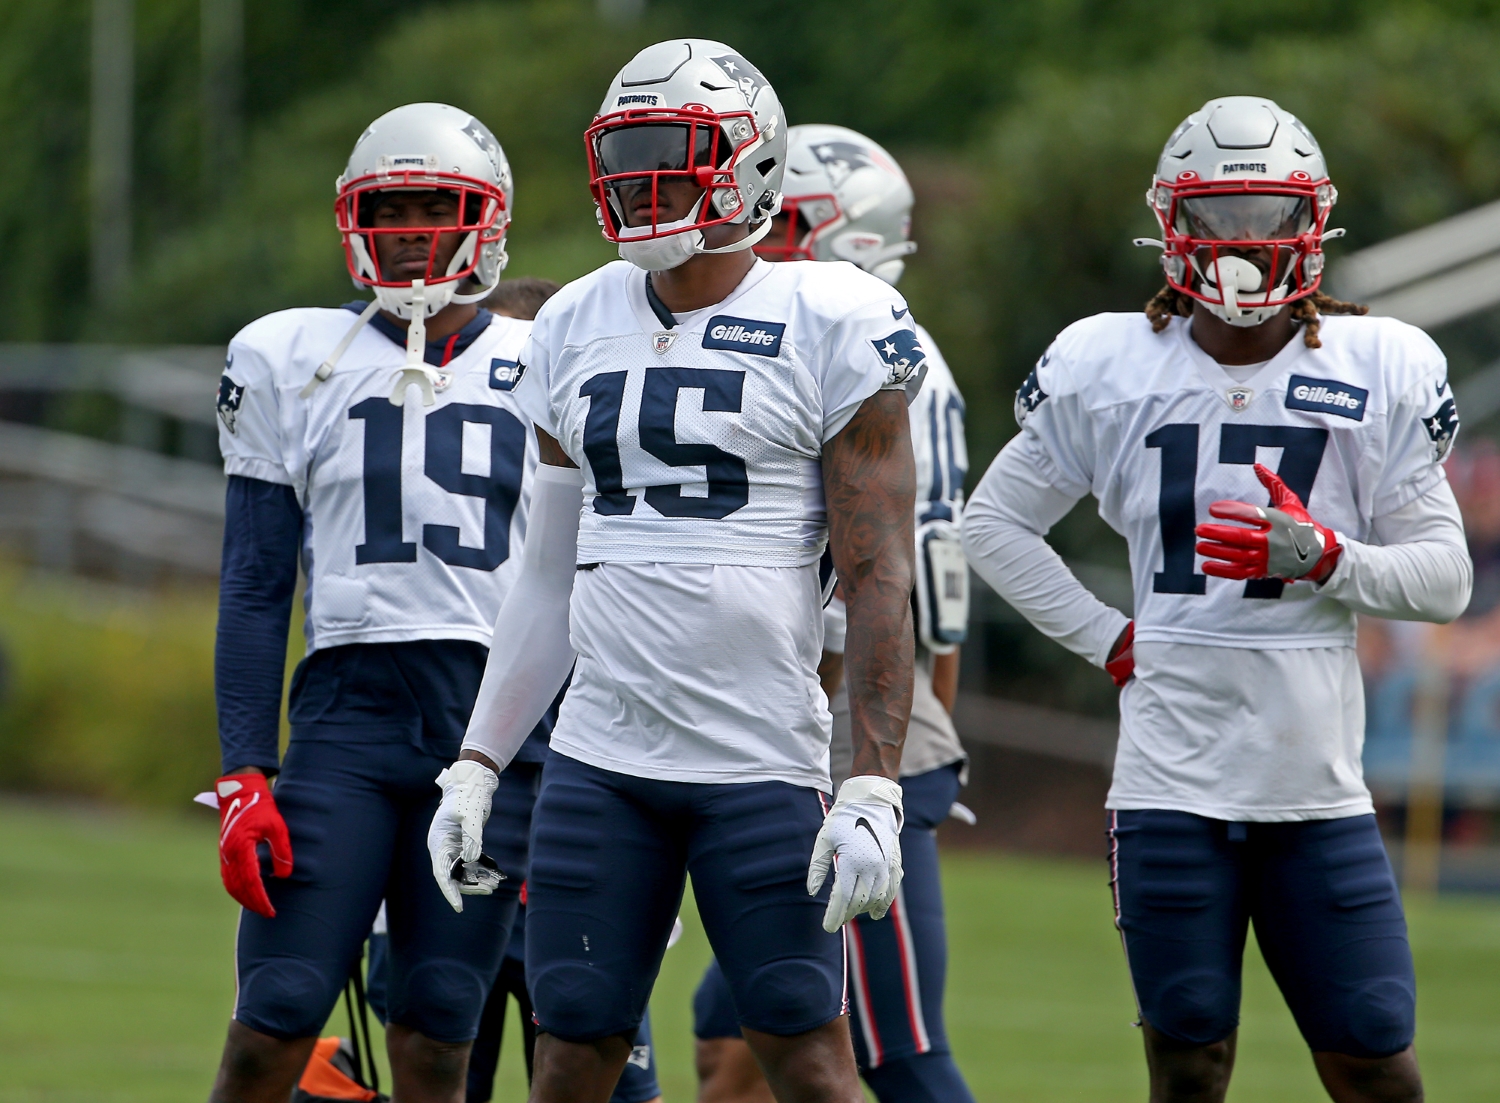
(1121, 663)
(1283, 542)
(247, 814)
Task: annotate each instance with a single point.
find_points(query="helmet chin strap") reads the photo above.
(417, 370)
(749, 241)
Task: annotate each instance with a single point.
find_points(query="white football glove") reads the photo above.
(457, 831)
(861, 839)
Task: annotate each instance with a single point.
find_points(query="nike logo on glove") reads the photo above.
(1304, 554)
(899, 314)
(234, 812)
(862, 822)
(1441, 387)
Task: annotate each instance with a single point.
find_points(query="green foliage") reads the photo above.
(533, 72)
(106, 695)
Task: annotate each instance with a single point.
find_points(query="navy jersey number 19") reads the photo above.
(500, 489)
(1301, 456)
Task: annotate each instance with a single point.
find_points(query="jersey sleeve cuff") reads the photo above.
(254, 467)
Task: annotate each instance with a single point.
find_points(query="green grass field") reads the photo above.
(116, 981)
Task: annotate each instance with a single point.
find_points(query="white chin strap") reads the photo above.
(677, 242)
(417, 370)
(1234, 276)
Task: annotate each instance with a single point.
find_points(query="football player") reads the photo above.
(846, 198)
(708, 421)
(1276, 468)
(380, 446)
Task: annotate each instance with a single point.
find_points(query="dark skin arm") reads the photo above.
(870, 485)
(550, 453)
(945, 679)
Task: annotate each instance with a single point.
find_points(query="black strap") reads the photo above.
(659, 308)
(354, 992)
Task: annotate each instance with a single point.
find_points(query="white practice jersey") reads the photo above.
(1157, 431)
(1247, 702)
(697, 622)
(937, 440)
(412, 513)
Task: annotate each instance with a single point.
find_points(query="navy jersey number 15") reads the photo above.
(723, 392)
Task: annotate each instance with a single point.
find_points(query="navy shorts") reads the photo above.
(897, 965)
(1327, 918)
(609, 857)
(357, 792)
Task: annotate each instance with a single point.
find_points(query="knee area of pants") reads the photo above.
(1378, 1020)
(788, 997)
(578, 1003)
(439, 999)
(1199, 1009)
(286, 999)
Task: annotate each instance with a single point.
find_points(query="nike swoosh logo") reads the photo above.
(862, 822)
(1441, 387)
(899, 314)
(234, 814)
(1303, 554)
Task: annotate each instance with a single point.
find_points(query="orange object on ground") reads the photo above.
(329, 1075)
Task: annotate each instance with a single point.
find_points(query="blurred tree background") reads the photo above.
(1029, 130)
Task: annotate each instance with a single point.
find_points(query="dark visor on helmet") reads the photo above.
(660, 147)
(1244, 217)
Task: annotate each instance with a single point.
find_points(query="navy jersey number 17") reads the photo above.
(1302, 455)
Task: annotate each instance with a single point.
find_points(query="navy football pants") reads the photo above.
(1327, 917)
(358, 815)
(897, 968)
(608, 861)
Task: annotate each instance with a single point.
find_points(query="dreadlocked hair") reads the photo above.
(1169, 301)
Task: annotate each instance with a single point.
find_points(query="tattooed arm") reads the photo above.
(870, 483)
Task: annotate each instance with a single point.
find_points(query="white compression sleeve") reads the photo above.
(1418, 568)
(1003, 528)
(531, 653)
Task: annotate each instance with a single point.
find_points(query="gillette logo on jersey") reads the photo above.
(505, 374)
(743, 335)
(1326, 396)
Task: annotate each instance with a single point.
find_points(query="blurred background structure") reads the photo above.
(170, 174)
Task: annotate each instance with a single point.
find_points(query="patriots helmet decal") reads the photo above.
(746, 77)
(840, 160)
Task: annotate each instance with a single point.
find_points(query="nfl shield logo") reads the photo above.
(662, 341)
(1239, 398)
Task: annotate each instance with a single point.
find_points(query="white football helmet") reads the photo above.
(688, 109)
(845, 198)
(1242, 176)
(426, 147)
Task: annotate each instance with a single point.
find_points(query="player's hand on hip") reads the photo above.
(1282, 540)
(1121, 662)
(456, 837)
(860, 840)
(248, 816)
